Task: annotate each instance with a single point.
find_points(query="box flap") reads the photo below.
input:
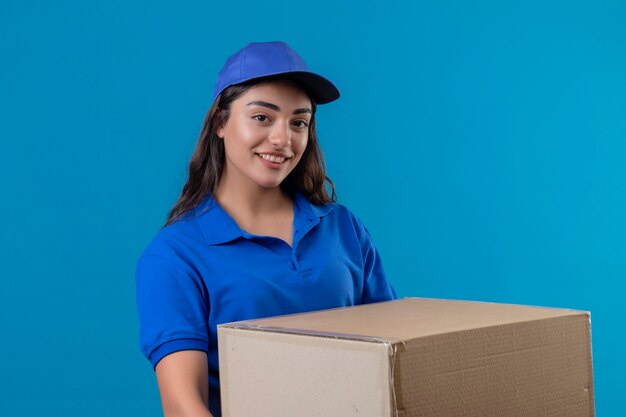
(267, 374)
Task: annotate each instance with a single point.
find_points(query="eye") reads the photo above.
(301, 123)
(260, 117)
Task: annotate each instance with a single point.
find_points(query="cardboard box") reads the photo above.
(409, 357)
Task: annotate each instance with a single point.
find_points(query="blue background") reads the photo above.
(483, 144)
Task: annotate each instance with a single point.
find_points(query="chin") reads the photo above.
(269, 184)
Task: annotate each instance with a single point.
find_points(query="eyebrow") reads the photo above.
(276, 108)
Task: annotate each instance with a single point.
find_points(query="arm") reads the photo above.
(376, 286)
(183, 384)
(173, 309)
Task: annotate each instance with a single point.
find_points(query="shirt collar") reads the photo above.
(302, 204)
(219, 227)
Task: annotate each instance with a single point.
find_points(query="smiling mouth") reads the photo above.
(272, 158)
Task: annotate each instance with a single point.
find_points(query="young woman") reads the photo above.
(256, 231)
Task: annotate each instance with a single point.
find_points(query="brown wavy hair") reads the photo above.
(207, 162)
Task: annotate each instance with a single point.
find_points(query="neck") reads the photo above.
(250, 199)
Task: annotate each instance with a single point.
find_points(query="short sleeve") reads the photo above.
(376, 286)
(172, 304)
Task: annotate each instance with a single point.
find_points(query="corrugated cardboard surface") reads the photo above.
(450, 358)
(537, 368)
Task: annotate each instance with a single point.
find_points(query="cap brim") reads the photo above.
(321, 89)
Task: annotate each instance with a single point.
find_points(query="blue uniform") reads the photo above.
(204, 270)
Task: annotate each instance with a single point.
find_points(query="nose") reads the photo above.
(280, 136)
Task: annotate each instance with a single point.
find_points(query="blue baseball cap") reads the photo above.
(258, 60)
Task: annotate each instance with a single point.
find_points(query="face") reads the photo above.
(266, 134)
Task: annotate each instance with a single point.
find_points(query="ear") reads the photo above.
(220, 129)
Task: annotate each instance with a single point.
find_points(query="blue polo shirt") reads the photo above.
(204, 270)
